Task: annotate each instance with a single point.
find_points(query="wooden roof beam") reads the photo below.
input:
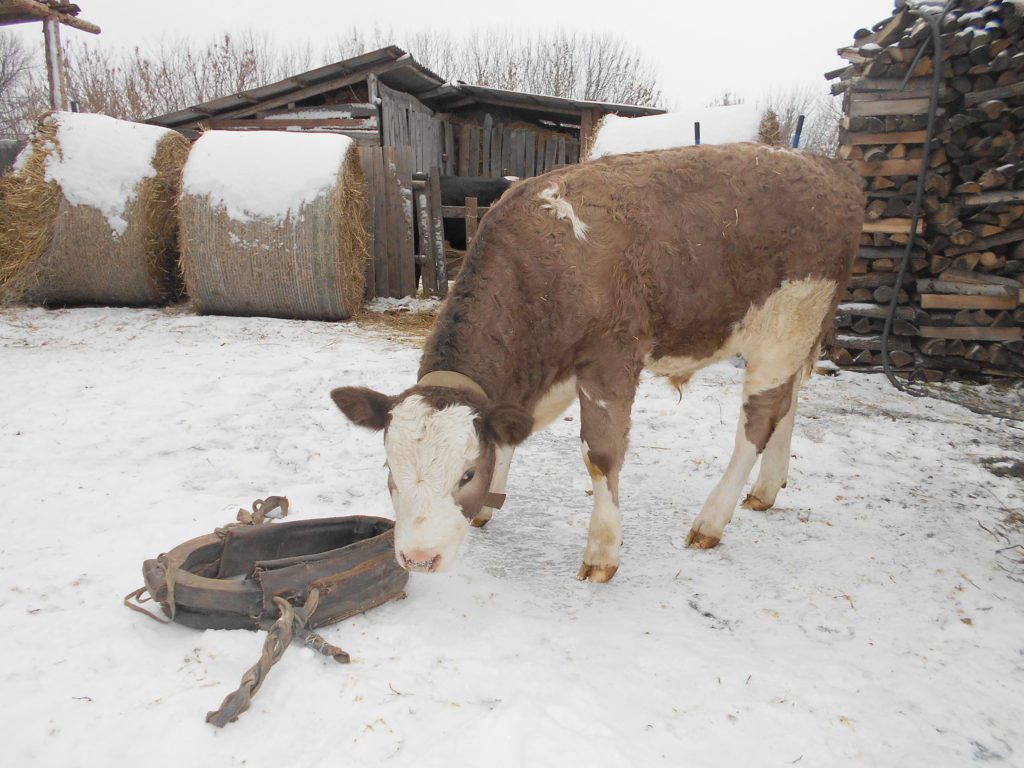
(310, 91)
(41, 11)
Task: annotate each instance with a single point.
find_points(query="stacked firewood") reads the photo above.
(961, 303)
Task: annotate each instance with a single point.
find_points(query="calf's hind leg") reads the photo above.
(774, 470)
(766, 402)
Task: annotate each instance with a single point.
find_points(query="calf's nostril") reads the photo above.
(420, 561)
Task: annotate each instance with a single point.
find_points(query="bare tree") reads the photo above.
(135, 84)
(822, 114)
(596, 67)
(22, 96)
(727, 99)
(576, 65)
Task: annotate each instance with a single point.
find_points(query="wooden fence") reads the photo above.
(405, 225)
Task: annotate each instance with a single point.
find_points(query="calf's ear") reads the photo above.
(363, 406)
(507, 424)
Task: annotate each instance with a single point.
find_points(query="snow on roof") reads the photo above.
(263, 174)
(718, 125)
(101, 161)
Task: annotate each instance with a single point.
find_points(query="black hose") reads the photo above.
(933, 19)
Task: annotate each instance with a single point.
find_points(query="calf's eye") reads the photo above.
(470, 473)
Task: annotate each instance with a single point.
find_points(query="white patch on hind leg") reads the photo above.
(562, 208)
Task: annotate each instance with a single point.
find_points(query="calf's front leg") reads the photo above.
(604, 430)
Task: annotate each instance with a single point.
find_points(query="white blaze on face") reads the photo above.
(428, 453)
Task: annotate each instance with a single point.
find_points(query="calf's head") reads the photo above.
(440, 445)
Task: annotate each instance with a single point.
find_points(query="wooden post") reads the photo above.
(588, 119)
(377, 272)
(373, 95)
(54, 63)
(485, 154)
(437, 225)
(471, 219)
(407, 256)
(427, 245)
(463, 151)
(473, 167)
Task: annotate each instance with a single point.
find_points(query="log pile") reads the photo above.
(961, 303)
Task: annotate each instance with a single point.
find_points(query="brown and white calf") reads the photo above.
(579, 279)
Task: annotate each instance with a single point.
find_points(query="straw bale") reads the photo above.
(308, 263)
(53, 251)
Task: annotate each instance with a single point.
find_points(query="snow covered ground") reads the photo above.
(868, 621)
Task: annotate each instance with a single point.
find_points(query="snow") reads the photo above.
(22, 158)
(857, 306)
(865, 622)
(264, 174)
(318, 113)
(718, 125)
(101, 161)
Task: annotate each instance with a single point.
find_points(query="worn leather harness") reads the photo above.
(461, 382)
(287, 578)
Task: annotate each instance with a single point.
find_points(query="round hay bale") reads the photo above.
(89, 213)
(274, 223)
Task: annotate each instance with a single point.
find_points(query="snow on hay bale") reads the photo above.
(718, 125)
(274, 223)
(88, 213)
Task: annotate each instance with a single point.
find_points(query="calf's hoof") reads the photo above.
(598, 574)
(698, 540)
(483, 518)
(758, 505)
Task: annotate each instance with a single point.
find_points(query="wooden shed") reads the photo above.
(412, 127)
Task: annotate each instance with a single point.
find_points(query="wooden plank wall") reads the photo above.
(407, 122)
(494, 150)
(489, 150)
(392, 270)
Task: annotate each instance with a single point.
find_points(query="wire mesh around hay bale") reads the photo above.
(56, 250)
(306, 261)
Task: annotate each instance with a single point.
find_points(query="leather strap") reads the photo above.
(494, 500)
(452, 380)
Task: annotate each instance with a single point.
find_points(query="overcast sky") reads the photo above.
(700, 47)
